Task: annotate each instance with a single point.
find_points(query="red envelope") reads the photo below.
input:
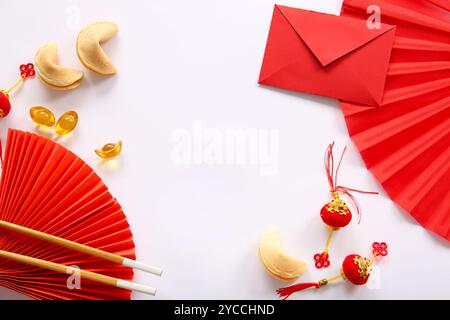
(328, 55)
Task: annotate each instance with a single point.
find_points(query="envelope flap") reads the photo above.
(329, 37)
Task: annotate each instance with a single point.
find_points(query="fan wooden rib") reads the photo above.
(47, 188)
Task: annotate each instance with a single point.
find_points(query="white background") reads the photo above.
(185, 61)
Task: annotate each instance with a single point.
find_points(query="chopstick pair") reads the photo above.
(84, 249)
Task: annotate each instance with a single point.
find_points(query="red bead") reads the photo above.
(335, 219)
(352, 271)
(5, 105)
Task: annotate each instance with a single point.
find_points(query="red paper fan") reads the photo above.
(406, 141)
(47, 188)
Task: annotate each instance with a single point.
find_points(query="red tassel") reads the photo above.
(285, 292)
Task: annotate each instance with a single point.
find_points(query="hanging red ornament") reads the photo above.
(26, 71)
(5, 105)
(336, 213)
(355, 270)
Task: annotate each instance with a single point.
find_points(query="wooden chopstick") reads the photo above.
(81, 248)
(83, 274)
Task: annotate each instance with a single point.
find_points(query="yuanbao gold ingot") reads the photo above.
(42, 116)
(109, 150)
(66, 123)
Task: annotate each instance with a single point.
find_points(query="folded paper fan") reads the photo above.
(406, 141)
(47, 188)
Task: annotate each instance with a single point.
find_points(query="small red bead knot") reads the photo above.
(379, 249)
(27, 70)
(321, 260)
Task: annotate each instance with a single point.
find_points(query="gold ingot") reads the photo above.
(66, 123)
(109, 150)
(42, 116)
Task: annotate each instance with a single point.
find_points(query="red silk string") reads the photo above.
(332, 176)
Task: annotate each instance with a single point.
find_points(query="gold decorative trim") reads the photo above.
(364, 266)
(4, 93)
(337, 205)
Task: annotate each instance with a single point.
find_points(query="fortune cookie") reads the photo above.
(89, 48)
(275, 261)
(53, 75)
